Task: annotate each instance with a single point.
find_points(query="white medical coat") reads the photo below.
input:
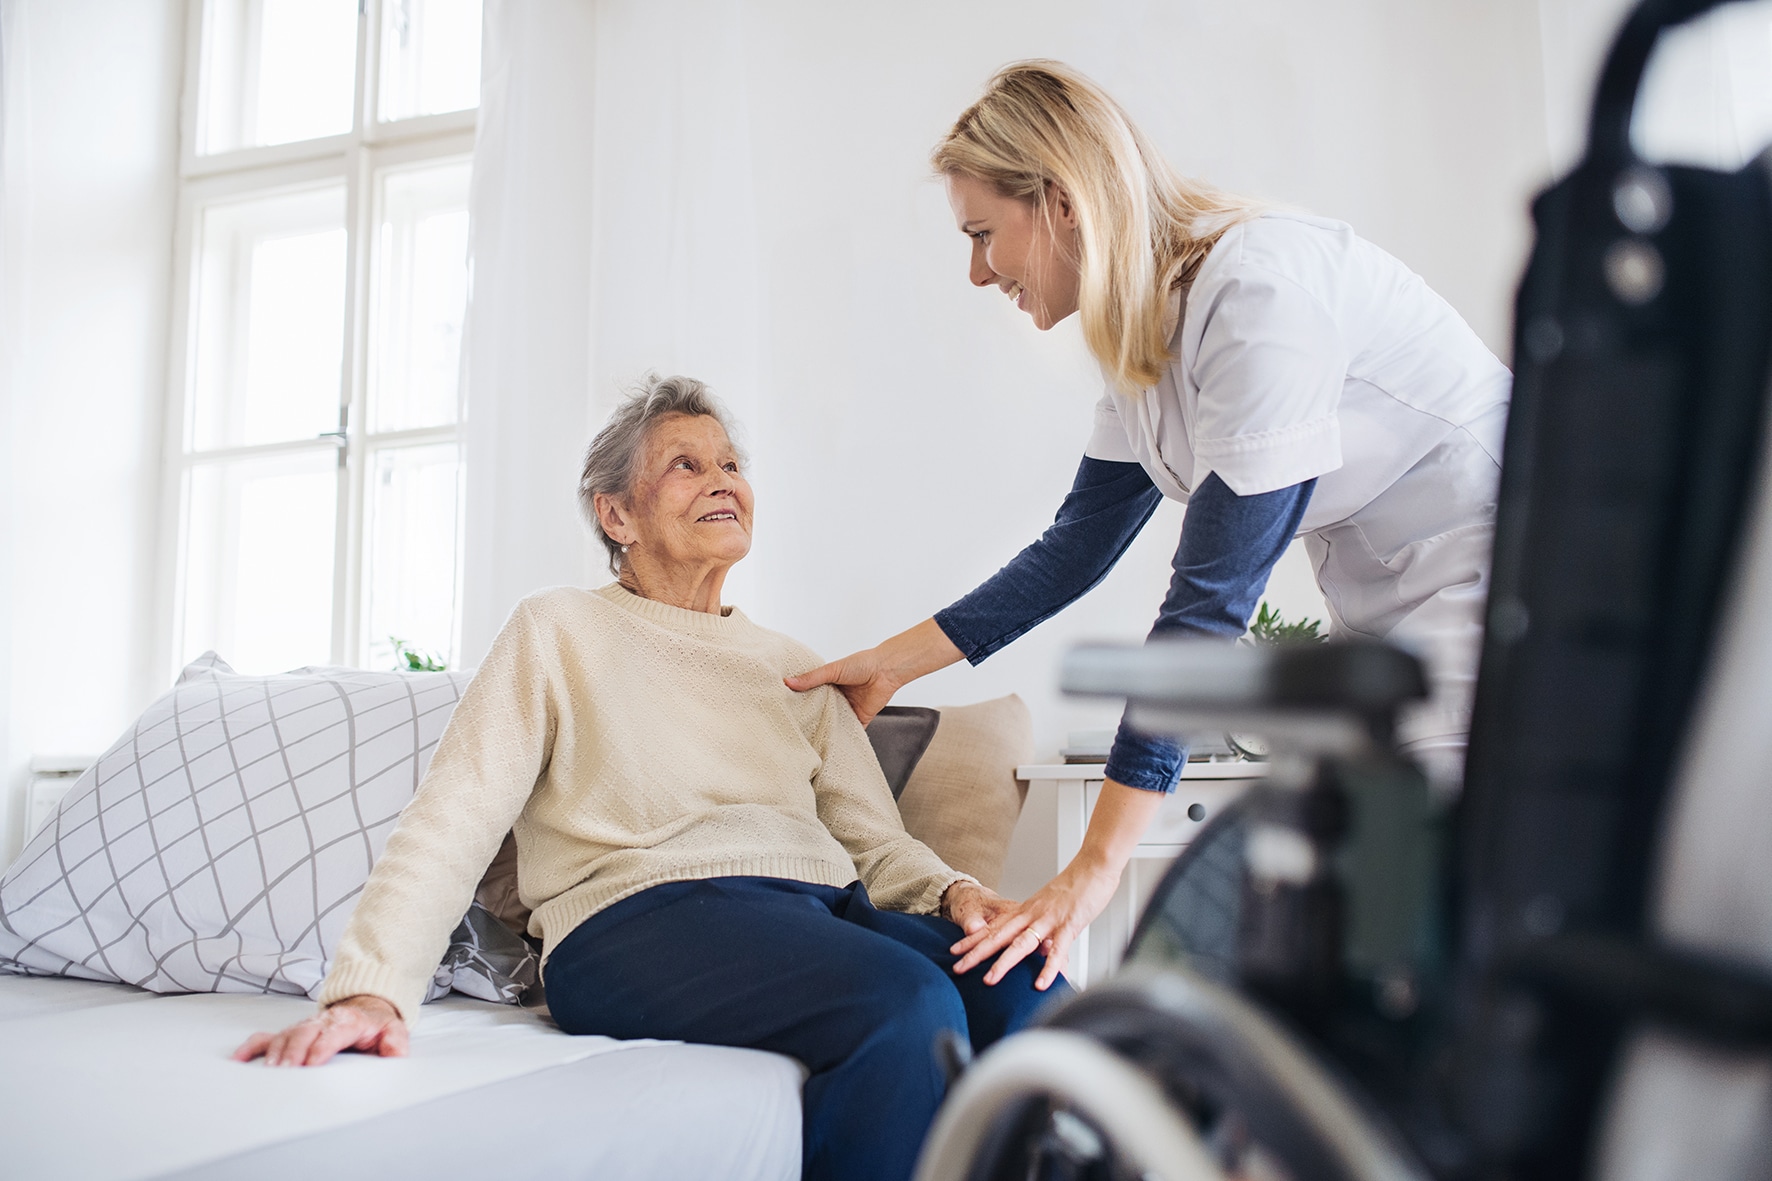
(1304, 352)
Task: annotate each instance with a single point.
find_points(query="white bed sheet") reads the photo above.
(103, 1083)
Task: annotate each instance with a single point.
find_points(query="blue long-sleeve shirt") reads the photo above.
(1228, 547)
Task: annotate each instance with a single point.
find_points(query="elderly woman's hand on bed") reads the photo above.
(365, 1023)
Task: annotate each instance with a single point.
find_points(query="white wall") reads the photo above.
(1574, 35)
(86, 218)
(762, 217)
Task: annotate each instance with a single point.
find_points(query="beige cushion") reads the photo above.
(498, 889)
(963, 798)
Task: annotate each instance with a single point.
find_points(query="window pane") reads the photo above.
(270, 320)
(414, 530)
(421, 289)
(275, 71)
(430, 57)
(258, 560)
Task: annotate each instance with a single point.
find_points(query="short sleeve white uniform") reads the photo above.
(1304, 352)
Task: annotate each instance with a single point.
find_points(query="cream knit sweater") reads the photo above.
(629, 743)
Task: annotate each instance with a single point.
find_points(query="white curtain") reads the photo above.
(739, 191)
(527, 354)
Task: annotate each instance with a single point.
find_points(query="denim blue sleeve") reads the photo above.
(1229, 545)
(1108, 504)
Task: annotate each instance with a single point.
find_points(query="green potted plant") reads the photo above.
(410, 659)
(1268, 629)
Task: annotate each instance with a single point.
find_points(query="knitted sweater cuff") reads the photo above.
(377, 980)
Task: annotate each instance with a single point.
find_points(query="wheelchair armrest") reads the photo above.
(1723, 1001)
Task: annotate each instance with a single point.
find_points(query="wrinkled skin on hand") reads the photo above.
(366, 1024)
(1048, 922)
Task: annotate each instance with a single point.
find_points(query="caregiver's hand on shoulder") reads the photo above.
(870, 677)
(1048, 922)
(862, 677)
(365, 1023)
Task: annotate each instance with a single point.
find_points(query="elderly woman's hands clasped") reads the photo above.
(367, 1024)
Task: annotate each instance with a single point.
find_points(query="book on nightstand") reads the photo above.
(1091, 746)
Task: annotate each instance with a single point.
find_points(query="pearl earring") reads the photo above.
(624, 549)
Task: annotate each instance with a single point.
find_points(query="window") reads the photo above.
(316, 488)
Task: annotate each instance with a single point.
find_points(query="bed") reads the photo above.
(106, 1082)
(187, 893)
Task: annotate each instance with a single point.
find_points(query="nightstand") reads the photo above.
(1204, 790)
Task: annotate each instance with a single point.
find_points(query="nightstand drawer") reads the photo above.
(1187, 811)
(1206, 789)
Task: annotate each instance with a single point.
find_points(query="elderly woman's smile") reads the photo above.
(685, 515)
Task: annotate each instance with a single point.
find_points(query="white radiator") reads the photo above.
(51, 777)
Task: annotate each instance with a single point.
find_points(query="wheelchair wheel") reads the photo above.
(1191, 919)
(1159, 1074)
(1059, 1105)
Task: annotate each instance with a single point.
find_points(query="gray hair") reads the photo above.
(612, 457)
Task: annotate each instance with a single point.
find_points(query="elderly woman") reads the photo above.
(690, 832)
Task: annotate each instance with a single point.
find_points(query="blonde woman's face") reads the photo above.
(1029, 257)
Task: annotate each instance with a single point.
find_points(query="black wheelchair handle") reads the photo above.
(1615, 99)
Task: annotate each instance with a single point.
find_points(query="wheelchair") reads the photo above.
(1565, 971)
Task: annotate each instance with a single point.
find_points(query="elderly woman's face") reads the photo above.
(690, 505)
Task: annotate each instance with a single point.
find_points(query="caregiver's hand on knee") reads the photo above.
(1047, 922)
(365, 1023)
(1053, 918)
(870, 677)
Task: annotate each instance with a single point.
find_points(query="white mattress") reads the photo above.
(107, 1083)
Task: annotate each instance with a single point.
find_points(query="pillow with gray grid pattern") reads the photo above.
(218, 846)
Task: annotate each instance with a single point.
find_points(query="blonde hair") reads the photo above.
(1142, 229)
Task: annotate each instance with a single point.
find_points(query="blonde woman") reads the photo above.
(1272, 371)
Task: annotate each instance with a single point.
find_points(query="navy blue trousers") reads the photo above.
(858, 995)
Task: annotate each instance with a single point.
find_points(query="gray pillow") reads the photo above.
(900, 734)
(488, 960)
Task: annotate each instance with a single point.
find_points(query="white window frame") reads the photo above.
(354, 158)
